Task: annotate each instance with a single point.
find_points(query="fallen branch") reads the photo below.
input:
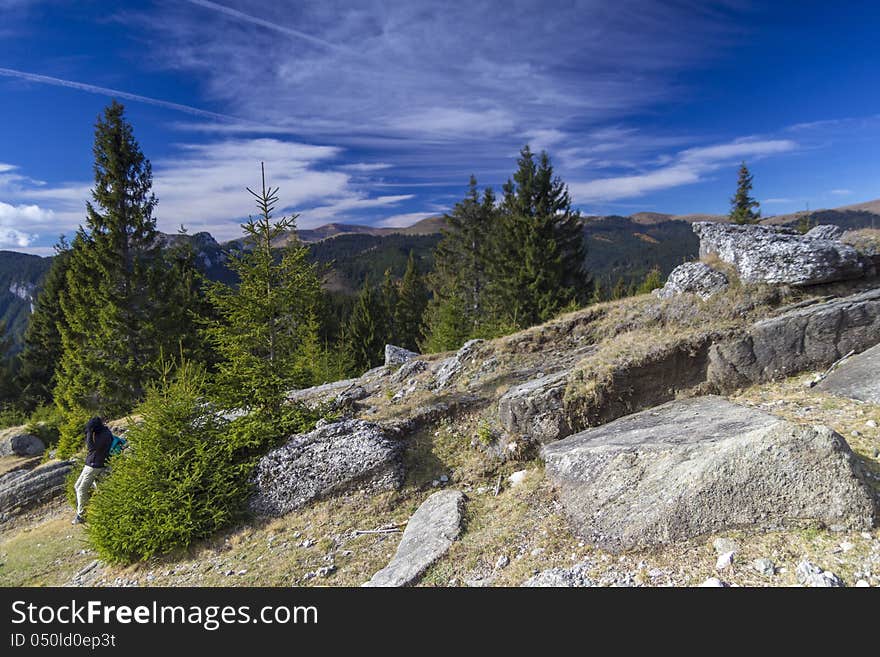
(825, 374)
(498, 486)
(385, 529)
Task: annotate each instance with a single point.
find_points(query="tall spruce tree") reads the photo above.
(364, 340)
(112, 301)
(411, 303)
(42, 339)
(262, 324)
(460, 305)
(539, 269)
(387, 315)
(744, 209)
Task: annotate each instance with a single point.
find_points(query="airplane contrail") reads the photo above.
(104, 91)
(234, 13)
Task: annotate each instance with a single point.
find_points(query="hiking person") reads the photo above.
(98, 441)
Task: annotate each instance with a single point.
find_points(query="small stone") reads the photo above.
(517, 477)
(871, 424)
(855, 434)
(876, 452)
(502, 562)
(713, 582)
(724, 560)
(444, 479)
(722, 545)
(866, 535)
(862, 584)
(243, 571)
(764, 566)
(537, 552)
(324, 571)
(846, 546)
(809, 574)
(307, 543)
(435, 483)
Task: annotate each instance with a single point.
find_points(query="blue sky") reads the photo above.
(378, 111)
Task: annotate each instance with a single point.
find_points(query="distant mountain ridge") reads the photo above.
(618, 247)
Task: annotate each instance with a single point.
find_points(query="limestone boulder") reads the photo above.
(18, 442)
(695, 278)
(769, 254)
(535, 409)
(701, 466)
(331, 459)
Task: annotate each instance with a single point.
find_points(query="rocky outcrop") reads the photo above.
(767, 254)
(331, 459)
(576, 576)
(701, 466)
(800, 340)
(826, 232)
(18, 442)
(451, 367)
(398, 355)
(857, 378)
(429, 534)
(23, 489)
(695, 278)
(535, 409)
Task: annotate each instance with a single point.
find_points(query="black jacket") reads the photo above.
(98, 444)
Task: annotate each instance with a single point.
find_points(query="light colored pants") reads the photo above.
(84, 485)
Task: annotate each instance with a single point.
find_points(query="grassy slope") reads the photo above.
(523, 523)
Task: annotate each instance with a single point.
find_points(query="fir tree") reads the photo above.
(261, 324)
(188, 307)
(620, 289)
(539, 268)
(744, 208)
(411, 304)
(364, 341)
(450, 325)
(112, 301)
(653, 279)
(460, 304)
(42, 339)
(387, 318)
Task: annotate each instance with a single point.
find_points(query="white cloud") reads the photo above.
(841, 192)
(16, 222)
(335, 211)
(688, 167)
(203, 187)
(778, 201)
(405, 219)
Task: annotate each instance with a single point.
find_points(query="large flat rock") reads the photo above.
(704, 465)
(857, 378)
(429, 534)
(331, 459)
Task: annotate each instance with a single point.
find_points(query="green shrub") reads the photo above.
(186, 473)
(45, 423)
(71, 430)
(12, 417)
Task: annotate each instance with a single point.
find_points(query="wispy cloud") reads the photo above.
(203, 187)
(269, 25)
(840, 192)
(113, 93)
(688, 167)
